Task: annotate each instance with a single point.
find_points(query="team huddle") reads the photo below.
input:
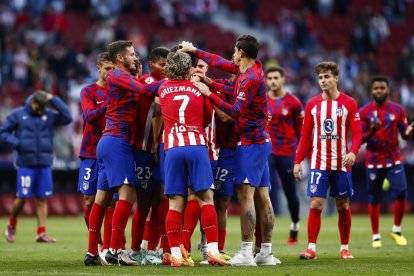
(180, 145)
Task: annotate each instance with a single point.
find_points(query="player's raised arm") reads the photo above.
(126, 81)
(211, 59)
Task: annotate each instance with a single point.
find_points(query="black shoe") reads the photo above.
(119, 258)
(91, 260)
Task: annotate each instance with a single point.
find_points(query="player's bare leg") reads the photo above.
(344, 224)
(41, 212)
(18, 205)
(266, 219)
(314, 226)
(245, 195)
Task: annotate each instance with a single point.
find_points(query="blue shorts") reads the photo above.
(187, 167)
(144, 167)
(88, 176)
(339, 182)
(224, 176)
(118, 162)
(34, 180)
(396, 177)
(159, 170)
(252, 165)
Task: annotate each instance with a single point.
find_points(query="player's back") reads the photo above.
(182, 106)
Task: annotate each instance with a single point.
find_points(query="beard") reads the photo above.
(380, 100)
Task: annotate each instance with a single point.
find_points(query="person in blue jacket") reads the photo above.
(30, 130)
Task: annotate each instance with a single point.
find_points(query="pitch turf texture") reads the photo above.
(26, 257)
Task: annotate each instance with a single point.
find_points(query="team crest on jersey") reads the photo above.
(241, 96)
(144, 184)
(328, 125)
(313, 188)
(85, 185)
(392, 117)
(339, 112)
(285, 111)
(149, 80)
(44, 117)
(372, 176)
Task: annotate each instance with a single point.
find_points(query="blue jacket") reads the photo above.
(32, 135)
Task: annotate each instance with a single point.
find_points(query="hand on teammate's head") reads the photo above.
(186, 46)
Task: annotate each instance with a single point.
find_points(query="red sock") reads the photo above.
(399, 208)
(137, 229)
(173, 227)
(160, 213)
(12, 221)
(154, 230)
(221, 239)
(95, 222)
(374, 214)
(86, 213)
(163, 210)
(119, 222)
(344, 225)
(314, 225)
(191, 215)
(147, 234)
(209, 222)
(258, 235)
(41, 229)
(108, 227)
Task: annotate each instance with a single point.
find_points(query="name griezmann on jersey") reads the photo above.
(169, 90)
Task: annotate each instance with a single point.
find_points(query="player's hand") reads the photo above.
(155, 149)
(409, 129)
(204, 78)
(269, 117)
(186, 46)
(297, 171)
(375, 126)
(195, 78)
(349, 160)
(203, 88)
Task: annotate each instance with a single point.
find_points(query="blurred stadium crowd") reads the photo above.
(52, 45)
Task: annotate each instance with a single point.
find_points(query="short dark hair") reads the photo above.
(102, 57)
(379, 78)
(275, 68)
(194, 58)
(117, 47)
(249, 45)
(326, 66)
(157, 53)
(40, 97)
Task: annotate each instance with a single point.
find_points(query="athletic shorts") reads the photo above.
(224, 175)
(185, 167)
(339, 182)
(118, 162)
(252, 165)
(396, 177)
(88, 176)
(37, 181)
(159, 170)
(144, 168)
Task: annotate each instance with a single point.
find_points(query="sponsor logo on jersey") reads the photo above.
(241, 96)
(392, 117)
(44, 117)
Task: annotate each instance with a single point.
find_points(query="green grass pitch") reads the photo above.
(26, 257)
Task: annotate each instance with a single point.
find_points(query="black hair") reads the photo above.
(249, 45)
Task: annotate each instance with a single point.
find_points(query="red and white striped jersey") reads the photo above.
(183, 111)
(210, 130)
(326, 126)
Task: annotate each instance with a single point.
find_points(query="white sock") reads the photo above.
(213, 247)
(176, 252)
(396, 228)
(312, 246)
(294, 226)
(144, 245)
(246, 248)
(376, 237)
(266, 249)
(344, 246)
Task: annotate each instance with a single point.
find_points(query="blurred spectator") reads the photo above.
(325, 7)
(251, 9)
(341, 6)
